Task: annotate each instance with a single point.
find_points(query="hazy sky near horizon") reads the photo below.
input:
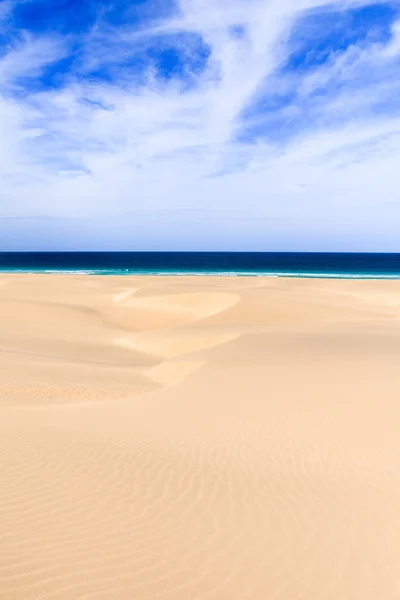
(200, 125)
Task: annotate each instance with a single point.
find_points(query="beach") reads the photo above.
(190, 438)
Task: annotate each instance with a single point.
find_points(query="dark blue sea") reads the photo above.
(284, 264)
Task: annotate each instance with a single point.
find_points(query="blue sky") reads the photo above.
(199, 125)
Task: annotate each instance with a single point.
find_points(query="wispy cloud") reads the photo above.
(27, 58)
(121, 125)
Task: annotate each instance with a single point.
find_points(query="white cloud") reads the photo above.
(123, 166)
(28, 57)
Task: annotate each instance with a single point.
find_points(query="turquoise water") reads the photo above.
(288, 264)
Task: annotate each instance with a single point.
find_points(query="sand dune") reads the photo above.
(175, 343)
(199, 438)
(148, 312)
(171, 372)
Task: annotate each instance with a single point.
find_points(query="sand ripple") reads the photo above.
(243, 445)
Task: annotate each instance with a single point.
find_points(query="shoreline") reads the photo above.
(344, 276)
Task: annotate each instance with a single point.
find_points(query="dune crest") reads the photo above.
(171, 344)
(121, 296)
(171, 372)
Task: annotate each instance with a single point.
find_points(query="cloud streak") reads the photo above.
(122, 127)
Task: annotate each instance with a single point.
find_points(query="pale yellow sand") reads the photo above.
(199, 438)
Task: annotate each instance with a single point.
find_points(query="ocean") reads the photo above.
(279, 264)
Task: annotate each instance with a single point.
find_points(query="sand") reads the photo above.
(199, 438)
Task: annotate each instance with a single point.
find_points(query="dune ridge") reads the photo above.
(167, 438)
(61, 326)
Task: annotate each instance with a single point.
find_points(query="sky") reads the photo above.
(258, 125)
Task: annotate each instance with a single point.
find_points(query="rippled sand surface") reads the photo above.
(178, 438)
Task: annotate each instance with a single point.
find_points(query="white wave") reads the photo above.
(219, 273)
